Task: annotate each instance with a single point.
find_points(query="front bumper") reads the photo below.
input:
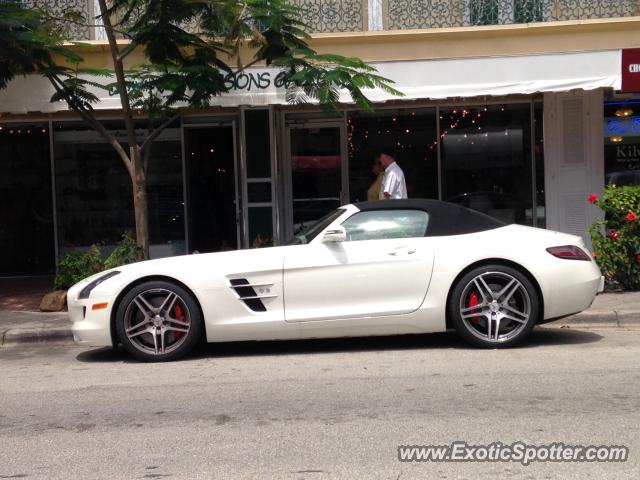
(90, 327)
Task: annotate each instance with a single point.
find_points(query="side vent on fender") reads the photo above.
(247, 294)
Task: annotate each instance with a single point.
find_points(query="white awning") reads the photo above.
(471, 77)
(419, 79)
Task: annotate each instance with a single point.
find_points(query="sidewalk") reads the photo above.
(34, 327)
(610, 310)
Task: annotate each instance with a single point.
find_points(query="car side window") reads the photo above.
(384, 224)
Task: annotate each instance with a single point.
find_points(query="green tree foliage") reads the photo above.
(23, 41)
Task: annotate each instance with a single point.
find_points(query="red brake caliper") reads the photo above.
(472, 302)
(178, 314)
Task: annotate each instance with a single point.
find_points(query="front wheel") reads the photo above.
(158, 321)
(493, 306)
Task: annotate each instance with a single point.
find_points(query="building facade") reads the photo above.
(517, 108)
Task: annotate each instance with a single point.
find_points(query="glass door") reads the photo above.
(318, 166)
(211, 185)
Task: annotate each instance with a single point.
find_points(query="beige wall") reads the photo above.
(497, 40)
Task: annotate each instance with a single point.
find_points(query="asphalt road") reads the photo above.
(318, 409)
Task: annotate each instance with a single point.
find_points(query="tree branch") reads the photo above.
(248, 65)
(121, 81)
(88, 117)
(157, 131)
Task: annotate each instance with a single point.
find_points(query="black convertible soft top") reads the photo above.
(444, 218)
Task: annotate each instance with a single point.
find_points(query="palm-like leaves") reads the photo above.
(23, 41)
(191, 43)
(188, 47)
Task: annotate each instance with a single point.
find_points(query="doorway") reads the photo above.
(211, 186)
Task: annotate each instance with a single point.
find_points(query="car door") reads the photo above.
(382, 267)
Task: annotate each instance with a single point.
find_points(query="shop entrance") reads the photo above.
(212, 201)
(317, 177)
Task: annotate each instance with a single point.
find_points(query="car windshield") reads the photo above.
(309, 233)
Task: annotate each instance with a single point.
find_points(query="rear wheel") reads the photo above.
(158, 321)
(494, 306)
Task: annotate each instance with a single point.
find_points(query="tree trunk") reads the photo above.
(141, 210)
(140, 201)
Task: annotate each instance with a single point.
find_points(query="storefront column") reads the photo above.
(574, 158)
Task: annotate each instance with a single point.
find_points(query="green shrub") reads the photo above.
(616, 239)
(75, 265)
(126, 252)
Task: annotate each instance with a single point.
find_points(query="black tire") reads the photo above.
(478, 326)
(178, 322)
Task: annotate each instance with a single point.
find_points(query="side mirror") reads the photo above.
(336, 234)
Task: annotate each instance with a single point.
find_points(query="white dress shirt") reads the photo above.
(393, 182)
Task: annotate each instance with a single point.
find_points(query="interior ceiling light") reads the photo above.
(616, 139)
(624, 112)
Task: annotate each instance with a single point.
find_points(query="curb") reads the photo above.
(601, 319)
(18, 327)
(50, 335)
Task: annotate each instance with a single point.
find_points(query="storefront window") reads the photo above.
(26, 212)
(486, 160)
(622, 142)
(94, 191)
(211, 188)
(316, 173)
(410, 135)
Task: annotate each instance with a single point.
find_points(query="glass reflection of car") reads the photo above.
(623, 177)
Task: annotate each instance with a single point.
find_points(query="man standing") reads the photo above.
(393, 184)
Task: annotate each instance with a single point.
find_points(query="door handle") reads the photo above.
(410, 251)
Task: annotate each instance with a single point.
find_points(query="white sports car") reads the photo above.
(371, 268)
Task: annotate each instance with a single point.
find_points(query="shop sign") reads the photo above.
(250, 80)
(255, 80)
(627, 154)
(631, 70)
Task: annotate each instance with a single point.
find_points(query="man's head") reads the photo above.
(385, 159)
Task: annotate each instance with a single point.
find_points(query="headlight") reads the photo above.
(84, 293)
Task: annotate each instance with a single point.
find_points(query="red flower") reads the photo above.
(592, 198)
(96, 267)
(630, 217)
(593, 254)
(638, 258)
(613, 235)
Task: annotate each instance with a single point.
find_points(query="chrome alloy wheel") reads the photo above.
(495, 307)
(157, 321)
